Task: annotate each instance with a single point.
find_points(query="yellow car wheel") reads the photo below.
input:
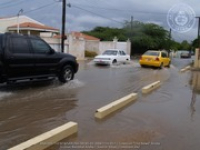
(169, 64)
(161, 65)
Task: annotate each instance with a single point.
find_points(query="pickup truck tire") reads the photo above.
(66, 74)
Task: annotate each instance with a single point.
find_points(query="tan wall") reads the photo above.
(76, 47)
(92, 46)
(196, 81)
(196, 60)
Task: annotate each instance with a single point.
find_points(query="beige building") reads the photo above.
(26, 25)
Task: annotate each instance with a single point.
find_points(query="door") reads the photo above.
(18, 58)
(123, 56)
(165, 59)
(46, 60)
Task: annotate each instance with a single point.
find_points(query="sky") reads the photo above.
(87, 14)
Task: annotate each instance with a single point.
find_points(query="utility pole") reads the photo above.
(63, 25)
(131, 26)
(131, 33)
(19, 13)
(198, 27)
(170, 36)
(198, 36)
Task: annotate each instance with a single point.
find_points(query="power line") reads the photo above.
(6, 3)
(20, 2)
(48, 11)
(98, 14)
(44, 6)
(127, 10)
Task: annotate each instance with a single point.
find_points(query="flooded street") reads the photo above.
(166, 119)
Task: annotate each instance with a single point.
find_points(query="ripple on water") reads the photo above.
(5, 94)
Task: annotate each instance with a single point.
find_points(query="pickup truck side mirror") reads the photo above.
(52, 51)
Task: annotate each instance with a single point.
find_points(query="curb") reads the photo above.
(112, 107)
(151, 87)
(185, 69)
(49, 138)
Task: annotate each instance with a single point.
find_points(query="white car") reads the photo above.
(112, 56)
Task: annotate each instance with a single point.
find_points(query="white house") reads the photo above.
(26, 26)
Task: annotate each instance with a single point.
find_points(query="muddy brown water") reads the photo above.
(165, 119)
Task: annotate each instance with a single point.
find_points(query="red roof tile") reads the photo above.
(33, 25)
(84, 36)
(80, 35)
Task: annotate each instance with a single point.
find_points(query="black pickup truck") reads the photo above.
(30, 57)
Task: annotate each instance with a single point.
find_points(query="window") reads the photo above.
(164, 55)
(151, 53)
(123, 53)
(1, 42)
(19, 45)
(40, 46)
(110, 52)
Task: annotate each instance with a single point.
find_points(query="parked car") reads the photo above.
(30, 57)
(155, 59)
(112, 56)
(185, 54)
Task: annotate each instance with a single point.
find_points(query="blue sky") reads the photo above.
(87, 14)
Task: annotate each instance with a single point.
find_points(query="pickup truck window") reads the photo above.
(40, 46)
(19, 45)
(1, 38)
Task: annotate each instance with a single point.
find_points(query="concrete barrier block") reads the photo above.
(112, 107)
(185, 69)
(151, 87)
(49, 138)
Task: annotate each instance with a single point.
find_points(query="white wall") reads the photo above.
(77, 47)
(6, 22)
(105, 45)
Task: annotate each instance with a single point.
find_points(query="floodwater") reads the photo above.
(166, 119)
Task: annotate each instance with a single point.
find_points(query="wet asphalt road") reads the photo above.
(168, 117)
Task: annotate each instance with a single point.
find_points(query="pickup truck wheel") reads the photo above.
(66, 74)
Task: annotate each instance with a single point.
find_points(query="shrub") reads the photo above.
(90, 54)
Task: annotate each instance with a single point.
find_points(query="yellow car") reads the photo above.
(155, 59)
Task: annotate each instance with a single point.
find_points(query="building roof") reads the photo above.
(79, 35)
(84, 36)
(32, 26)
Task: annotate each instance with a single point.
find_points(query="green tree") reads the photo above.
(143, 36)
(146, 36)
(107, 33)
(185, 45)
(195, 44)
